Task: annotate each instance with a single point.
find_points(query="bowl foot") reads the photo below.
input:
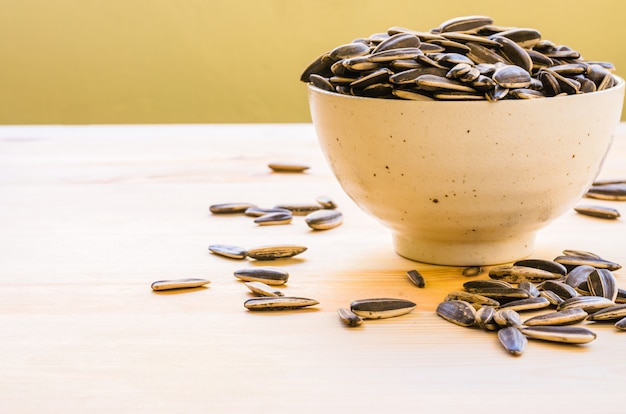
(464, 253)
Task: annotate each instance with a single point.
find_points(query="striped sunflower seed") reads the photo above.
(552, 297)
(558, 318)
(612, 313)
(272, 219)
(324, 219)
(578, 275)
(602, 212)
(380, 308)
(471, 298)
(260, 211)
(266, 274)
(299, 209)
(263, 289)
(275, 252)
(621, 324)
(547, 265)
(613, 192)
(417, 278)
(188, 283)
(561, 334)
(532, 303)
(513, 340)
(230, 208)
(507, 317)
(529, 287)
(477, 285)
(266, 303)
(502, 294)
(484, 318)
(562, 289)
(589, 304)
(349, 318)
(517, 274)
(230, 251)
(572, 261)
(326, 202)
(601, 282)
(459, 312)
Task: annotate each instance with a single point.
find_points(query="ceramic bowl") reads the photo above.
(466, 182)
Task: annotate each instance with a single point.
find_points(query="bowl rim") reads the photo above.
(620, 85)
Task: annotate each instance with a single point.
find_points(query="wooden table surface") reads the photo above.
(91, 215)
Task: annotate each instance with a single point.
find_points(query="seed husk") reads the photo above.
(601, 282)
(581, 253)
(288, 167)
(517, 274)
(578, 275)
(349, 318)
(230, 251)
(602, 212)
(266, 274)
(187, 283)
(476, 285)
(299, 209)
(230, 208)
(612, 192)
(507, 317)
(459, 312)
(272, 219)
(562, 289)
(275, 252)
(552, 297)
(558, 318)
(547, 265)
(513, 340)
(465, 23)
(380, 308)
(417, 278)
(612, 313)
(484, 318)
(263, 289)
(266, 303)
(502, 294)
(561, 334)
(260, 211)
(589, 304)
(471, 298)
(532, 303)
(572, 261)
(326, 202)
(324, 219)
(529, 287)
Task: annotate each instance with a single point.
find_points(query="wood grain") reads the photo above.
(92, 215)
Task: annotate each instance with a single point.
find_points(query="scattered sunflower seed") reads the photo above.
(263, 289)
(379, 308)
(562, 334)
(326, 202)
(272, 219)
(507, 317)
(275, 252)
(266, 274)
(534, 303)
(612, 313)
(417, 278)
(562, 289)
(602, 212)
(230, 251)
(266, 303)
(299, 209)
(458, 312)
(230, 208)
(601, 282)
(349, 318)
(564, 317)
(599, 263)
(589, 304)
(547, 265)
(471, 271)
(613, 192)
(188, 283)
(259, 211)
(324, 219)
(473, 298)
(513, 340)
(517, 274)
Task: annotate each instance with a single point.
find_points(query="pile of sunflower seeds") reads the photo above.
(465, 58)
(321, 215)
(575, 287)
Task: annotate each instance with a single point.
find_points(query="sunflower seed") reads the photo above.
(275, 252)
(471, 298)
(324, 219)
(379, 308)
(507, 317)
(601, 282)
(563, 290)
(502, 294)
(621, 296)
(266, 274)
(299, 209)
(230, 251)
(230, 208)
(603, 212)
(259, 211)
(326, 202)
(349, 318)
(580, 253)
(612, 313)
(459, 312)
(484, 318)
(564, 317)
(589, 304)
(538, 302)
(552, 297)
(476, 285)
(188, 283)
(513, 340)
(465, 23)
(529, 287)
(517, 274)
(547, 265)
(562, 334)
(621, 324)
(272, 219)
(288, 167)
(472, 271)
(578, 275)
(416, 277)
(572, 261)
(263, 289)
(613, 192)
(266, 303)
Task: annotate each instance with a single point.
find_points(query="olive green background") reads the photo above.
(194, 61)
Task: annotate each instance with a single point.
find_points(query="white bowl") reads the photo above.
(465, 182)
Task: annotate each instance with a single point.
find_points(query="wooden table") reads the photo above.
(91, 215)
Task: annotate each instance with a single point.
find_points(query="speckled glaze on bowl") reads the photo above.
(465, 182)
